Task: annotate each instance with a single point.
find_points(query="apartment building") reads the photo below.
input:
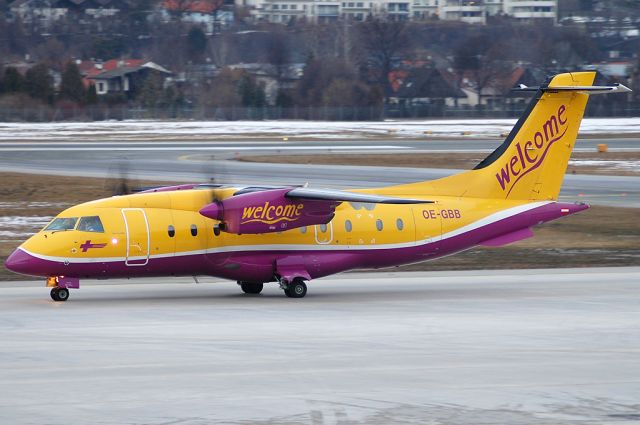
(531, 9)
(471, 11)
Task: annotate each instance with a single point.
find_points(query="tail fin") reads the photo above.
(531, 163)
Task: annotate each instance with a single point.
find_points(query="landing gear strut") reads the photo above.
(296, 289)
(59, 294)
(250, 287)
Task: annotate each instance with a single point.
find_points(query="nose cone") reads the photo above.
(20, 262)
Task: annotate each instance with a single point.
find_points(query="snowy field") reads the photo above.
(206, 130)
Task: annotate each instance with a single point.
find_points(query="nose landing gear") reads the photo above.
(59, 294)
(60, 286)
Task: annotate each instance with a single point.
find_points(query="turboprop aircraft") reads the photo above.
(293, 234)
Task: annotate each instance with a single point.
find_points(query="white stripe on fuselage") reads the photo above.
(490, 219)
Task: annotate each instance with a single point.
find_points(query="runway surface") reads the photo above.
(481, 347)
(201, 161)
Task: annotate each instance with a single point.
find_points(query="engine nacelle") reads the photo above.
(268, 211)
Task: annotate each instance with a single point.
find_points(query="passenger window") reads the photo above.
(194, 230)
(303, 229)
(62, 224)
(379, 224)
(399, 224)
(216, 230)
(348, 226)
(171, 230)
(90, 224)
(323, 228)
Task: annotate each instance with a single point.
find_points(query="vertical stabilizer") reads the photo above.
(531, 163)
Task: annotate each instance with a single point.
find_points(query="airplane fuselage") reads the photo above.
(159, 234)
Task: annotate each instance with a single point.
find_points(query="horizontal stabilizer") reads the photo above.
(342, 196)
(615, 88)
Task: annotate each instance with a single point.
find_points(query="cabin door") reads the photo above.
(324, 233)
(138, 236)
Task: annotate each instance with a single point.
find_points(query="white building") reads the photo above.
(471, 11)
(531, 9)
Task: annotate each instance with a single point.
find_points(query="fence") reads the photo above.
(346, 113)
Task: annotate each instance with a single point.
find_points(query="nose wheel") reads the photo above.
(59, 294)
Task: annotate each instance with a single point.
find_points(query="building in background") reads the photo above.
(119, 76)
(471, 11)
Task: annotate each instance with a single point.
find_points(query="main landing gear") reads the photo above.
(250, 287)
(59, 294)
(296, 289)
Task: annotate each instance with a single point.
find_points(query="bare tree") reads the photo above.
(278, 53)
(483, 60)
(383, 41)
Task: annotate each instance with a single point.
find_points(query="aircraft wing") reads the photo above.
(342, 196)
(275, 210)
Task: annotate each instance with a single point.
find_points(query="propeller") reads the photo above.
(119, 181)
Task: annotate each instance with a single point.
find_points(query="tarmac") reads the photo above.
(479, 347)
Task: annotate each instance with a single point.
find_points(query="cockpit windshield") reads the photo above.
(67, 223)
(90, 224)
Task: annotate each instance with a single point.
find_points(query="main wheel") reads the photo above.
(251, 288)
(296, 289)
(59, 294)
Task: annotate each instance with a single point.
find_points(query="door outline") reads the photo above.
(329, 228)
(126, 228)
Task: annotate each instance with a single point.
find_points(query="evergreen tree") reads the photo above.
(196, 43)
(151, 92)
(39, 84)
(252, 94)
(91, 95)
(12, 81)
(71, 87)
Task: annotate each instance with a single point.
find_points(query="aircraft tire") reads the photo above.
(296, 289)
(59, 294)
(251, 288)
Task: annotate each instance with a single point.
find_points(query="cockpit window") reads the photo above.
(90, 224)
(60, 223)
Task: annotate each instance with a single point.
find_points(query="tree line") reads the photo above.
(346, 64)
(37, 83)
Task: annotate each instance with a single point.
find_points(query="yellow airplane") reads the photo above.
(293, 234)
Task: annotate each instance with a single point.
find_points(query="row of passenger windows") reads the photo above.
(193, 229)
(348, 226)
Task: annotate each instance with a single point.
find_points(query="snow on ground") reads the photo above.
(133, 130)
(611, 164)
(20, 227)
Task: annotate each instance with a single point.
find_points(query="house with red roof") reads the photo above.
(126, 76)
